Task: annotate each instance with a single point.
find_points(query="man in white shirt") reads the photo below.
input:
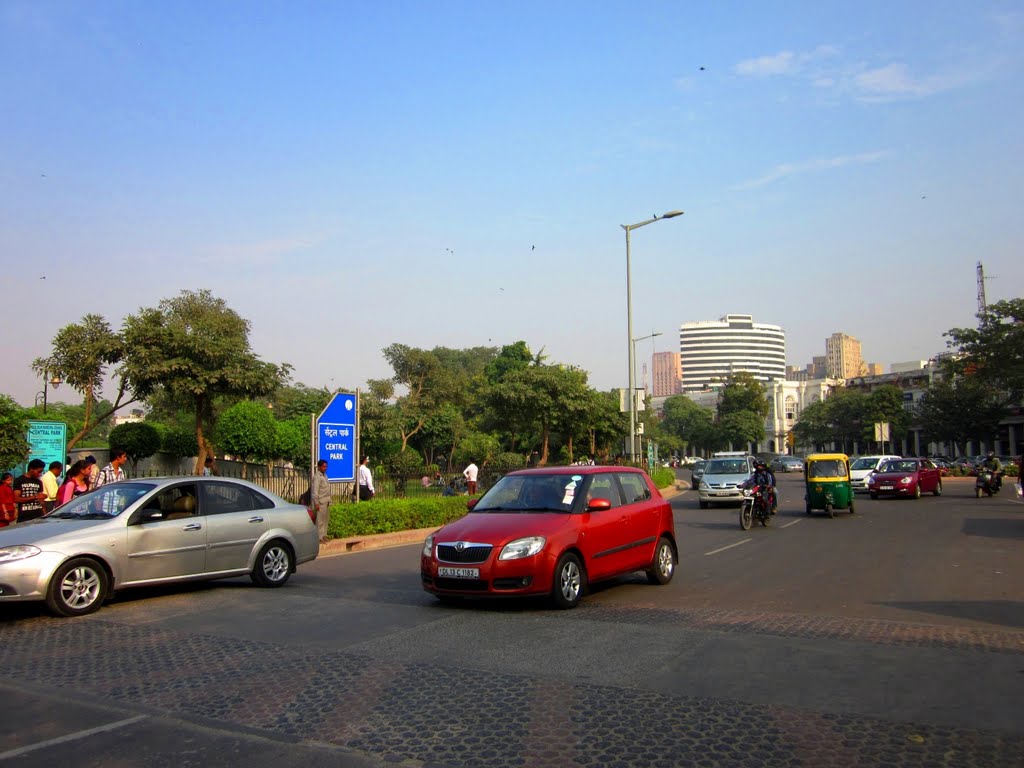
(470, 473)
(365, 479)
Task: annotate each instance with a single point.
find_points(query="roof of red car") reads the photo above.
(586, 469)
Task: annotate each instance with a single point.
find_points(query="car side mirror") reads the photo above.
(471, 503)
(596, 505)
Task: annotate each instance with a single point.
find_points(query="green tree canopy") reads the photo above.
(994, 351)
(743, 392)
(247, 430)
(195, 348)
(138, 439)
(14, 445)
(686, 420)
(956, 409)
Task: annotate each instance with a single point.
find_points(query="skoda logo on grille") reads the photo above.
(459, 546)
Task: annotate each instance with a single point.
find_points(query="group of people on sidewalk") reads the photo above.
(38, 492)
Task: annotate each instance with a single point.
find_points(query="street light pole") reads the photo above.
(54, 382)
(629, 327)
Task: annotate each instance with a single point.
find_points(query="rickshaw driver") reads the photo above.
(763, 475)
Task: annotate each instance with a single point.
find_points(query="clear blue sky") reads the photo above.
(348, 175)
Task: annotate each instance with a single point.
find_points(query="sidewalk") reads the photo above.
(399, 538)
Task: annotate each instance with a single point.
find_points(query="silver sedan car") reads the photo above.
(153, 531)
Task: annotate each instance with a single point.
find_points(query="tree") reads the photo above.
(247, 430)
(195, 349)
(179, 443)
(291, 400)
(742, 392)
(138, 439)
(82, 354)
(294, 441)
(686, 420)
(741, 428)
(994, 351)
(885, 406)
(14, 445)
(956, 409)
(815, 427)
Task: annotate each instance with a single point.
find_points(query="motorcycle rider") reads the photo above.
(993, 465)
(763, 475)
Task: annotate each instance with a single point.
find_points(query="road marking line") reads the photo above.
(798, 520)
(730, 546)
(70, 737)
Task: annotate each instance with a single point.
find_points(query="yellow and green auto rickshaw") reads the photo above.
(827, 477)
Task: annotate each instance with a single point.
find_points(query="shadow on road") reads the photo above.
(994, 527)
(1006, 613)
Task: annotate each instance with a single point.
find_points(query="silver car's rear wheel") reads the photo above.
(78, 587)
(274, 565)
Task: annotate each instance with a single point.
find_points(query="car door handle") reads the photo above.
(256, 519)
(193, 527)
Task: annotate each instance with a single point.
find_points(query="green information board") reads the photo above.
(48, 440)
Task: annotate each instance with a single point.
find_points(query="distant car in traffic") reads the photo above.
(722, 478)
(154, 531)
(553, 531)
(905, 477)
(861, 469)
(787, 464)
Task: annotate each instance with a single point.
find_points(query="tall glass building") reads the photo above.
(712, 350)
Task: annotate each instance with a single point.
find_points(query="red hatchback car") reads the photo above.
(906, 477)
(551, 532)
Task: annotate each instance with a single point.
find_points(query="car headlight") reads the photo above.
(428, 546)
(520, 548)
(18, 552)
(746, 492)
(704, 486)
(906, 480)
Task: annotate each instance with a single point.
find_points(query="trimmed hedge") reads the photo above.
(392, 515)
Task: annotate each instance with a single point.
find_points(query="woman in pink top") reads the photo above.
(76, 482)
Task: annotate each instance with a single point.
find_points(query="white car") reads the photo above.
(861, 469)
(720, 483)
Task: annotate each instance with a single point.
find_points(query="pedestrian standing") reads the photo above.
(470, 473)
(28, 492)
(76, 482)
(51, 484)
(112, 473)
(365, 479)
(94, 470)
(8, 512)
(321, 496)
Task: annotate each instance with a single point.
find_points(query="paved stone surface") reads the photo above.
(440, 715)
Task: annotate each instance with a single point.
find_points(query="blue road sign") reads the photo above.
(336, 438)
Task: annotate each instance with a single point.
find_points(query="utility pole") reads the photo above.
(982, 304)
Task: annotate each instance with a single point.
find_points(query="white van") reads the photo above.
(861, 469)
(722, 477)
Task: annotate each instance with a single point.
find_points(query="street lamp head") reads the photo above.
(671, 214)
(55, 381)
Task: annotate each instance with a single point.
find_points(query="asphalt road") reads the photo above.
(892, 636)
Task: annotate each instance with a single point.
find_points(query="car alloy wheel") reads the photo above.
(569, 582)
(664, 565)
(274, 565)
(77, 588)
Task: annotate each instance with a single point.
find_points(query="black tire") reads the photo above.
(938, 489)
(274, 565)
(765, 520)
(78, 587)
(977, 492)
(663, 566)
(852, 510)
(569, 582)
(746, 516)
(703, 504)
(829, 510)
(808, 509)
(917, 491)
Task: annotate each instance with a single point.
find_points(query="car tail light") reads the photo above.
(312, 514)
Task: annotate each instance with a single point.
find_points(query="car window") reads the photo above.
(106, 501)
(603, 487)
(828, 468)
(900, 466)
(531, 493)
(176, 502)
(224, 498)
(864, 463)
(634, 487)
(727, 467)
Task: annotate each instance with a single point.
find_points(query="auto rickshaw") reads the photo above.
(827, 480)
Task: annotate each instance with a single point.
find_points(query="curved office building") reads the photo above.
(711, 351)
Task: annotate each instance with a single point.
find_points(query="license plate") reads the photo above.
(722, 493)
(459, 573)
(885, 487)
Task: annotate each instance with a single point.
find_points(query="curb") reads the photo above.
(373, 541)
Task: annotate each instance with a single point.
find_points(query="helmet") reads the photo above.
(759, 463)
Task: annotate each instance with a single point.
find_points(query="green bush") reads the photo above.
(663, 477)
(391, 515)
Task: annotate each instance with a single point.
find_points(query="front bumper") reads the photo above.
(497, 578)
(28, 579)
(896, 490)
(721, 495)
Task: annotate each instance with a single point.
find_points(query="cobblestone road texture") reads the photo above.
(447, 716)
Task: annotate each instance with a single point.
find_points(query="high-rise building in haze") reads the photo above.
(843, 357)
(667, 374)
(712, 350)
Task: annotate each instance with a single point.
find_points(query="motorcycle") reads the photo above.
(756, 505)
(987, 483)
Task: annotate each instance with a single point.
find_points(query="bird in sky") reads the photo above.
(924, 196)
(702, 69)
(533, 247)
(43, 277)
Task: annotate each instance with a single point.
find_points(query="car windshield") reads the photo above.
(106, 501)
(828, 468)
(726, 467)
(531, 493)
(864, 463)
(899, 466)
